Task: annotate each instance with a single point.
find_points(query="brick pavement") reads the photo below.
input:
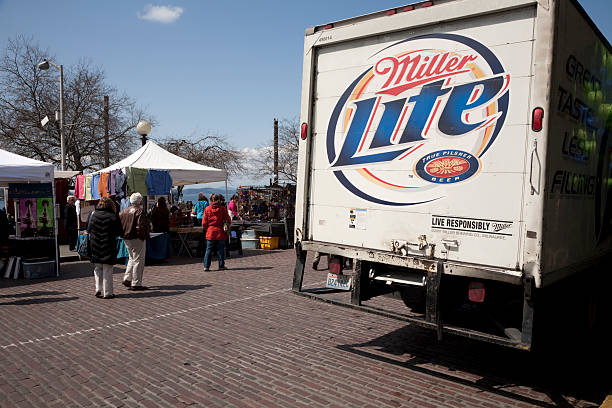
(240, 338)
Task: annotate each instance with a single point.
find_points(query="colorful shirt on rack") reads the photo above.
(111, 182)
(79, 187)
(136, 181)
(95, 193)
(120, 184)
(103, 185)
(88, 187)
(159, 182)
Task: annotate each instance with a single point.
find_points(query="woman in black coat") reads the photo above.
(103, 228)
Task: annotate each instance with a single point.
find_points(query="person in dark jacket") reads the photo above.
(103, 229)
(160, 216)
(5, 228)
(71, 222)
(212, 224)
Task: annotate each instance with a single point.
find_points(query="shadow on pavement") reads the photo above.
(151, 293)
(39, 301)
(29, 294)
(250, 268)
(558, 376)
(179, 287)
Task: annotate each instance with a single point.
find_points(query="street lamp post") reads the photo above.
(44, 65)
(143, 128)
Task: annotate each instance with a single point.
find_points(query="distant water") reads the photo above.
(192, 194)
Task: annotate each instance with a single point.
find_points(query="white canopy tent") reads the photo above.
(152, 157)
(20, 169)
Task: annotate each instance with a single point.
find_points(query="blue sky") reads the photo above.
(228, 68)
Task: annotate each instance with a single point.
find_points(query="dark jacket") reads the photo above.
(212, 222)
(4, 228)
(103, 229)
(134, 223)
(160, 219)
(70, 217)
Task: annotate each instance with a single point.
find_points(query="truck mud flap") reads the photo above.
(300, 263)
(432, 305)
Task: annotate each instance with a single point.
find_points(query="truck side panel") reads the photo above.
(578, 211)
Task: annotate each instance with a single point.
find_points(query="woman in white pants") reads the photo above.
(103, 229)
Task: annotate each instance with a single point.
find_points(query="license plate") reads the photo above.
(342, 282)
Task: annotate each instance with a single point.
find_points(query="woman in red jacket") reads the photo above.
(215, 215)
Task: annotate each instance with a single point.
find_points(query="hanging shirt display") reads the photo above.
(111, 182)
(136, 181)
(79, 187)
(159, 182)
(88, 187)
(120, 179)
(95, 193)
(103, 185)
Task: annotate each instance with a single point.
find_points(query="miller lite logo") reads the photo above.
(422, 114)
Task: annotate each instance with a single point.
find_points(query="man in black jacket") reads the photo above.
(71, 222)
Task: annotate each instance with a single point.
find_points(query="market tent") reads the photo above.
(152, 156)
(19, 169)
(66, 174)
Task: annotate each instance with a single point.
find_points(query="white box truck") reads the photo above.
(459, 151)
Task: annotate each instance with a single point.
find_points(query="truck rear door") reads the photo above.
(421, 132)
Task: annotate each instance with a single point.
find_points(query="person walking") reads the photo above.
(103, 229)
(215, 216)
(135, 233)
(71, 222)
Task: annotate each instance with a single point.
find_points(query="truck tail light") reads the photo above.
(335, 265)
(537, 119)
(328, 26)
(476, 292)
(391, 12)
(304, 131)
(427, 4)
(408, 8)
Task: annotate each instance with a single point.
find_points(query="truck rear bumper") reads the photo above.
(434, 271)
(420, 263)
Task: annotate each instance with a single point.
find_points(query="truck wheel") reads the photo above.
(414, 298)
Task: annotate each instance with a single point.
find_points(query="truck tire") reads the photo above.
(414, 298)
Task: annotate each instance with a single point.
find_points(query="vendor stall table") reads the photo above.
(33, 247)
(282, 229)
(183, 234)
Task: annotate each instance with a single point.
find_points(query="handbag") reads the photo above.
(84, 249)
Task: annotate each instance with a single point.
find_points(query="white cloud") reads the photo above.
(160, 14)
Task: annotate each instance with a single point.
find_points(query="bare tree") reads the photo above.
(288, 146)
(209, 150)
(28, 94)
